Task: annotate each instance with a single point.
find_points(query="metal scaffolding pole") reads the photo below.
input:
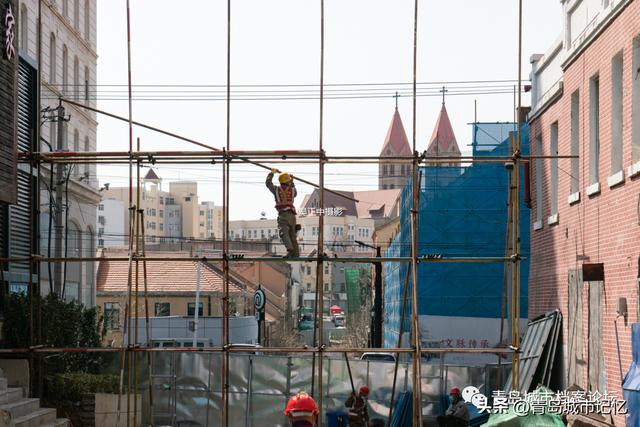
(515, 176)
(417, 366)
(320, 265)
(225, 241)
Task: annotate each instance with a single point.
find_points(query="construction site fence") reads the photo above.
(187, 388)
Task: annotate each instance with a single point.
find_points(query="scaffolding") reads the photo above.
(137, 258)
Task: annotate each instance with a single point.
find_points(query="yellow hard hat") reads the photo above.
(285, 178)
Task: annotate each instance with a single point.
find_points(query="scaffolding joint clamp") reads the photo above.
(515, 257)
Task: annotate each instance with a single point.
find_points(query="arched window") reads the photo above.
(52, 59)
(86, 85)
(74, 269)
(87, 20)
(90, 266)
(76, 14)
(76, 148)
(24, 27)
(76, 78)
(87, 166)
(65, 135)
(65, 69)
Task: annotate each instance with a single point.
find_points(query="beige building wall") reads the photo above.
(185, 194)
(152, 202)
(211, 306)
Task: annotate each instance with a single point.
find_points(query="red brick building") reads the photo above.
(586, 210)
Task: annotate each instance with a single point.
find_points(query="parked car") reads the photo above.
(379, 357)
(250, 348)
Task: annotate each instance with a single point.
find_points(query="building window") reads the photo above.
(52, 59)
(87, 20)
(594, 130)
(161, 213)
(187, 199)
(100, 207)
(326, 287)
(575, 142)
(112, 316)
(153, 212)
(616, 114)
(553, 149)
(76, 148)
(162, 309)
(161, 227)
(635, 140)
(24, 27)
(86, 85)
(201, 213)
(87, 148)
(65, 69)
(538, 184)
(76, 14)
(191, 309)
(384, 170)
(76, 78)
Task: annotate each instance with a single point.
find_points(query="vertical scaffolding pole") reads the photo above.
(417, 368)
(515, 271)
(320, 269)
(225, 234)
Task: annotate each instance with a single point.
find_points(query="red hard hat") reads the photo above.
(454, 390)
(300, 405)
(364, 390)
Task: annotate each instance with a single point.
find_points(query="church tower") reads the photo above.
(443, 141)
(394, 175)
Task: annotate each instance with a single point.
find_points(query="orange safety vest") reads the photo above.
(284, 199)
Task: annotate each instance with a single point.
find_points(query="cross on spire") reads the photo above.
(396, 96)
(443, 91)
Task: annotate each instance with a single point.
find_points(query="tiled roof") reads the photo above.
(368, 202)
(151, 175)
(376, 200)
(396, 140)
(443, 140)
(162, 276)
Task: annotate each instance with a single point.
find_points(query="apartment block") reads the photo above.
(585, 221)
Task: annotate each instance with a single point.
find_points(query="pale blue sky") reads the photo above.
(277, 42)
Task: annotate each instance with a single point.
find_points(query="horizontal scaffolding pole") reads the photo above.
(192, 141)
(309, 350)
(360, 260)
(284, 156)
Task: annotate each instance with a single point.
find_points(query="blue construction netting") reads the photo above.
(462, 213)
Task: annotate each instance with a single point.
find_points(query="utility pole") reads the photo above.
(376, 330)
(59, 183)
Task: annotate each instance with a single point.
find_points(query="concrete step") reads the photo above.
(21, 407)
(11, 395)
(59, 422)
(36, 418)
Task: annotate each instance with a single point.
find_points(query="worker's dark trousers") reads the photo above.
(287, 229)
(451, 421)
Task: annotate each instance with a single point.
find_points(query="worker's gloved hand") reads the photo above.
(274, 171)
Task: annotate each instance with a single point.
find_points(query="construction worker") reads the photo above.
(458, 414)
(302, 411)
(357, 408)
(284, 194)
